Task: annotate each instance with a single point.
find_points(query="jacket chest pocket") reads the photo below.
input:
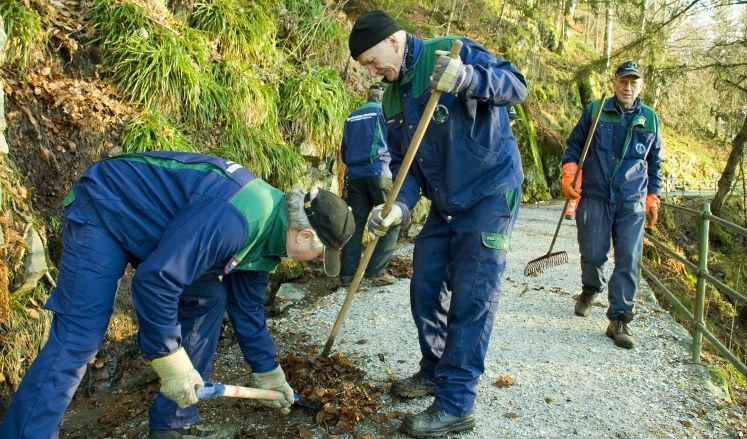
(640, 143)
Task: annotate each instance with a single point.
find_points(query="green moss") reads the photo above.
(535, 185)
(23, 26)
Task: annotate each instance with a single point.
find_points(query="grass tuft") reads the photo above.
(244, 29)
(263, 152)
(23, 26)
(247, 97)
(156, 60)
(152, 131)
(313, 31)
(313, 106)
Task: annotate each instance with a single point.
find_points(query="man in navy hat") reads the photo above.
(366, 155)
(621, 181)
(469, 166)
(203, 233)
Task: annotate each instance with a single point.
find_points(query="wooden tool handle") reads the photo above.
(404, 169)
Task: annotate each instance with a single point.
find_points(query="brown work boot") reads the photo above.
(619, 331)
(382, 280)
(433, 422)
(415, 386)
(584, 301)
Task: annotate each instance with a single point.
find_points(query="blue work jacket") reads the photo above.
(625, 155)
(469, 151)
(364, 149)
(182, 215)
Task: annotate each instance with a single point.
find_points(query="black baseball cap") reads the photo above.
(332, 220)
(629, 68)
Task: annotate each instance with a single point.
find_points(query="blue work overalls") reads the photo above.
(366, 156)
(182, 220)
(622, 166)
(469, 166)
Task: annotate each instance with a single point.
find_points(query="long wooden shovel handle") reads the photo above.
(581, 161)
(425, 119)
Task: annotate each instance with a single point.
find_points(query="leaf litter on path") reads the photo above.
(336, 384)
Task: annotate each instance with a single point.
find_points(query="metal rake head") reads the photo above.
(535, 267)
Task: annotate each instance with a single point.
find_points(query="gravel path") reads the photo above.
(570, 379)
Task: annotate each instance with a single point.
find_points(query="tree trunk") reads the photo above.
(607, 34)
(568, 10)
(727, 177)
(451, 16)
(596, 30)
(642, 23)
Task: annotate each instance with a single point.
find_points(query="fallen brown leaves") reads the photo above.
(334, 383)
(401, 267)
(504, 381)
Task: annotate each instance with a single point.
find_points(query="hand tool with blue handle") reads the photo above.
(210, 390)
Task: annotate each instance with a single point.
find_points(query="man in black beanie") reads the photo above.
(468, 165)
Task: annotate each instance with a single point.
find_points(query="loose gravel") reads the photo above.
(571, 381)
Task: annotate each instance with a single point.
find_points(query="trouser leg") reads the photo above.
(379, 189)
(429, 298)
(201, 308)
(477, 259)
(594, 224)
(627, 238)
(351, 254)
(92, 264)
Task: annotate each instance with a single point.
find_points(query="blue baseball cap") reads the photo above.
(629, 68)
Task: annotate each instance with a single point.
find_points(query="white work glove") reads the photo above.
(178, 378)
(450, 75)
(275, 380)
(379, 226)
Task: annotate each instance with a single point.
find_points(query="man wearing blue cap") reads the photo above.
(469, 166)
(621, 181)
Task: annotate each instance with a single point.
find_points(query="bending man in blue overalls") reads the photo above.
(183, 220)
(366, 156)
(468, 165)
(621, 181)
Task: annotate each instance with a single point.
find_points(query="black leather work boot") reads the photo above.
(584, 301)
(415, 386)
(433, 422)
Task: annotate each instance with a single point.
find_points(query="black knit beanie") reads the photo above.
(368, 30)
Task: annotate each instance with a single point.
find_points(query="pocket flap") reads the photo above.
(498, 241)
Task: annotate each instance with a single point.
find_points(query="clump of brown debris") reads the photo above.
(334, 383)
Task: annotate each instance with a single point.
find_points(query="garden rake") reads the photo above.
(425, 119)
(535, 267)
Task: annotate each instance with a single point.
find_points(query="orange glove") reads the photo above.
(569, 170)
(652, 209)
(570, 211)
